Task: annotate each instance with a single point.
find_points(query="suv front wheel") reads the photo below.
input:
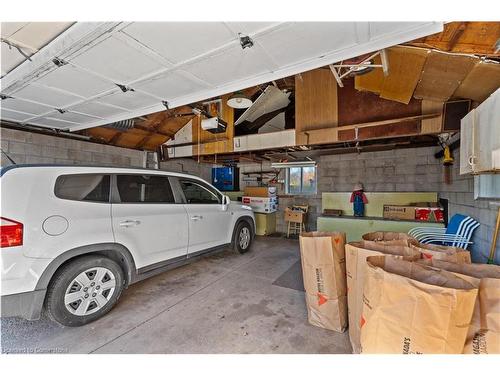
(242, 237)
(84, 290)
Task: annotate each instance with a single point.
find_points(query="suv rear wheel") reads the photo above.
(84, 290)
(242, 237)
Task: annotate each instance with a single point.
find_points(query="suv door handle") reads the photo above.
(196, 217)
(129, 223)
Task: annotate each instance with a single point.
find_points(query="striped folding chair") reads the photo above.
(458, 233)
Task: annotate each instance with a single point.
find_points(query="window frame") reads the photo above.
(85, 174)
(115, 193)
(205, 186)
(287, 180)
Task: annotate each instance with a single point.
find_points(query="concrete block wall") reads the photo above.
(190, 166)
(27, 147)
(412, 169)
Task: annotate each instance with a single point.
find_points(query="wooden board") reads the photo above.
(464, 37)
(454, 111)
(432, 125)
(317, 136)
(372, 81)
(481, 82)
(442, 74)
(356, 107)
(405, 68)
(315, 100)
(382, 131)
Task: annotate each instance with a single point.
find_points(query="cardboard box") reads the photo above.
(422, 211)
(294, 216)
(261, 205)
(265, 192)
(322, 256)
(399, 212)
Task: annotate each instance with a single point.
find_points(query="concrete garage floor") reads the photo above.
(223, 303)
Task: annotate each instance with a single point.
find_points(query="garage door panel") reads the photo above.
(164, 37)
(174, 84)
(118, 61)
(74, 80)
(23, 106)
(231, 65)
(47, 96)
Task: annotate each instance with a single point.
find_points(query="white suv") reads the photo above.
(73, 237)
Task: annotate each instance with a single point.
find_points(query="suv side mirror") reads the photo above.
(225, 201)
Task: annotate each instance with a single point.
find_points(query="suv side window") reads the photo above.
(136, 188)
(198, 193)
(83, 187)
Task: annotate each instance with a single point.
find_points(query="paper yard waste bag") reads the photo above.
(484, 332)
(323, 267)
(390, 238)
(446, 253)
(411, 308)
(356, 254)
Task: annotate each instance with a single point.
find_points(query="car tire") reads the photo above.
(84, 290)
(243, 237)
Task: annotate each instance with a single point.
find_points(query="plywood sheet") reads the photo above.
(355, 107)
(382, 131)
(372, 81)
(317, 137)
(315, 100)
(435, 124)
(442, 74)
(481, 82)
(405, 68)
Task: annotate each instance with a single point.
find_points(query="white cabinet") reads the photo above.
(480, 138)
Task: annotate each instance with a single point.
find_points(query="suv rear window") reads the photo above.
(144, 189)
(83, 187)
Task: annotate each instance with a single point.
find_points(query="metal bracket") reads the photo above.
(58, 62)
(366, 63)
(124, 88)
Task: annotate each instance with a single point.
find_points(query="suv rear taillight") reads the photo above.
(11, 232)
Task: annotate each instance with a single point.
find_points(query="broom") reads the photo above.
(493, 248)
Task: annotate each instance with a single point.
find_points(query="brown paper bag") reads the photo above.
(484, 332)
(323, 267)
(410, 308)
(446, 253)
(390, 238)
(356, 254)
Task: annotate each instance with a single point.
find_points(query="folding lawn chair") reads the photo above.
(458, 233)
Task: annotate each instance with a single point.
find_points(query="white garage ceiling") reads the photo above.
(74, 82)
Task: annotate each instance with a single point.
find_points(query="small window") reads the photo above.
(197, 193)
(301, 180)
(144, 189)
(83, 187)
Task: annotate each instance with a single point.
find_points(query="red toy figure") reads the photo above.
(358, 198)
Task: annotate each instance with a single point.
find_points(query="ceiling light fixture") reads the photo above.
(239, 100)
